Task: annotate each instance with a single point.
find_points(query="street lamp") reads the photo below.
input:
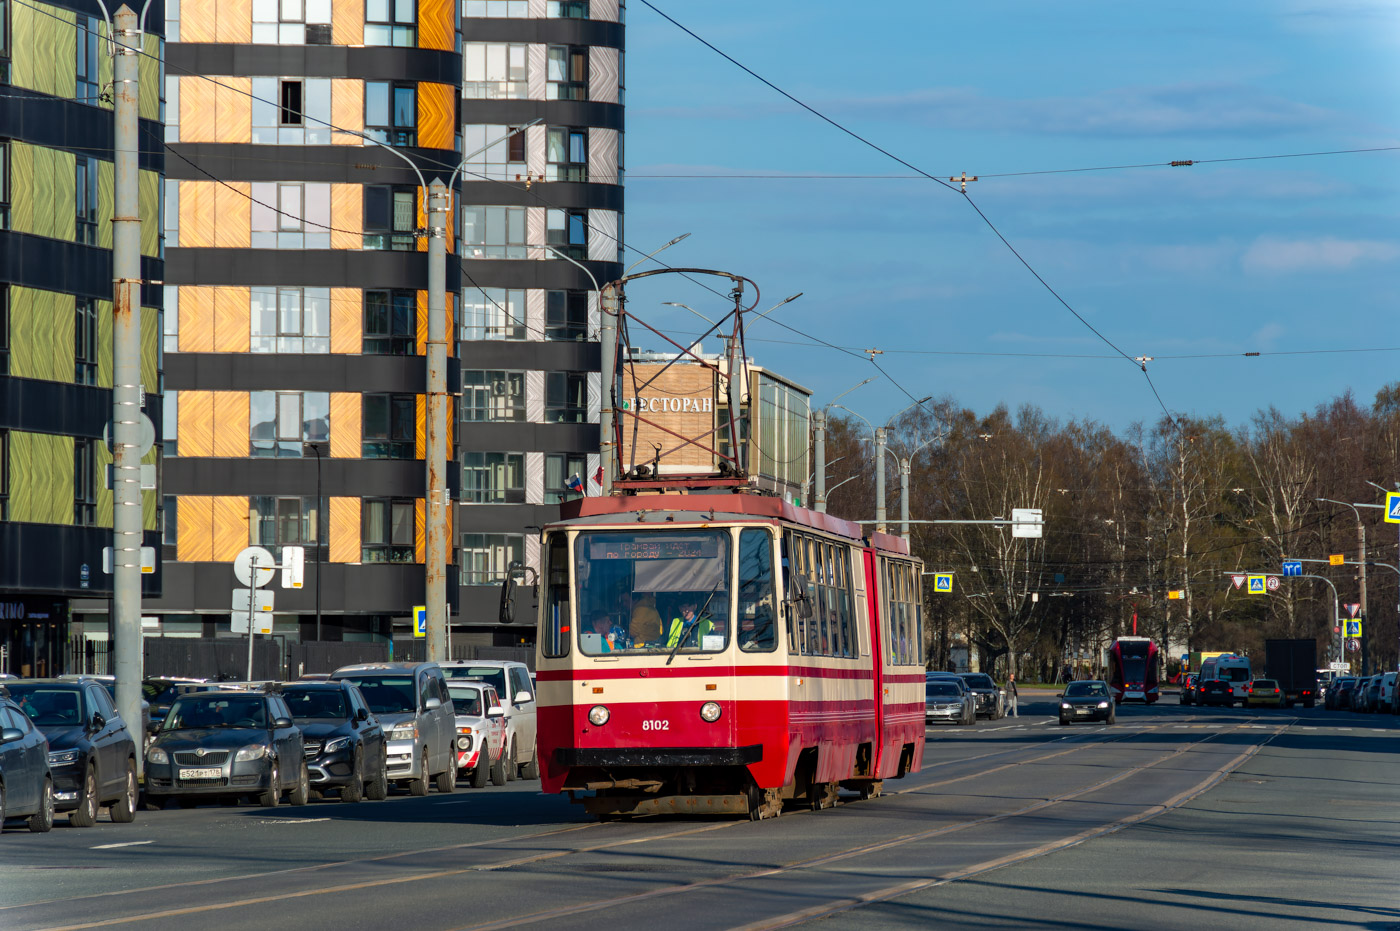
(881, 436)
(819, 446)
(317, 448)
(905, 466)
(1361, 539)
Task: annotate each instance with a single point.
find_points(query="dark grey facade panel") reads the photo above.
(71, 268)
(256, 371)
(504, 518)
(549, 357)
(328, 268)
(374, 588)
(544, 194)
(593, 113)
(314, 61)
(36, 406)
(556, 275)
(340, 478)
(547, 31)
(53, 558)
(528, 437)
(80, 128)
(348, 164)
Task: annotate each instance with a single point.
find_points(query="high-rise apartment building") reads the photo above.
(56, 201)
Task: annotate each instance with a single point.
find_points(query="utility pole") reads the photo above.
(435, 440)
(880, 436)
(1365, 622)
(819, 458)
(607, 337)
(904, 470)
(126, 375)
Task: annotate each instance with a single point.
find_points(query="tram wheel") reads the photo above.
(821, 795)
(872, 789)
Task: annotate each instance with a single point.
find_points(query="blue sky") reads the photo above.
(1272, 256)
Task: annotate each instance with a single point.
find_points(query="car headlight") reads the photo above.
(157, 756)
(404, 732)
(1065, 705)
(464, 743)
(1103, 704)
(598, 715)
(340, 743)
(709, 712)
(61, 757)
(248, 754)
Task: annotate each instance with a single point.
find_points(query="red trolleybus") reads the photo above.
(724, 652)
(1132, 669)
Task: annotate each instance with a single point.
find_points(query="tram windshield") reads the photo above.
(652, 592)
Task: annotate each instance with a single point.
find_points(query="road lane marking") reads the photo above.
(130, 843)
(292, 820)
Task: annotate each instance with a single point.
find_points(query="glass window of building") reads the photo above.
(291, 320)
(277, 521)
(566, 397)
(496, 9)
(291, 111)
(389, 426)
(387, 530)
(567, 231)
(170, 319)
(391, 22)
(4, 329)
(4, 43)
(567, 72)
(4, 168)
(495, 71)
(391, 112)
(391, 323)
(489, 396)
(566, 315)
(493, 313)
(567, 9)
(84, 482)
(170, 521)
(85, 341)
(4, 474)
(493, 232)
(486, 556)
(566, 151)
(493, 478)
(170, 424)
(502, 152)
(290, 216)
(290, 22)
(89, 39)
(281, 421)
(85, 200)
(560, 470)
(390, 217)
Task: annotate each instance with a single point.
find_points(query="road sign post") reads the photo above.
(1255, 585)
(1292, 567)
(943, 583)
(420, 621)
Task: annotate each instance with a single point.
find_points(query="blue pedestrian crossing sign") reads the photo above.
(420, 620)
(1351, 628)
(1392, 507)
(1292, 567)
(943, 582)
(1256, 585)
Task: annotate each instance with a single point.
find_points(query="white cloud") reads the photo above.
(1270, 255)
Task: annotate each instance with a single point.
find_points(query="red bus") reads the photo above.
(1133, 672)
(724, 653)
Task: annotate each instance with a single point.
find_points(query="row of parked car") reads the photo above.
(1367, 694)
(352, 734)
(1260, 693)
(960, 698)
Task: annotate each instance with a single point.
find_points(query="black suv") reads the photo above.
(92, 754)
(344, 741)
(26, 791)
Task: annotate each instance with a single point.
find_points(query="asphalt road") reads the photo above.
(1172, 818)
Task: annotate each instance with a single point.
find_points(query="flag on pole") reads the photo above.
(598, 476)
(574, 484)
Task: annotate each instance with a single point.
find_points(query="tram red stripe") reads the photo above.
(696, 671)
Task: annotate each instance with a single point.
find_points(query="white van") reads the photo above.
(1231, 668)
(512, 682)
(1386, 700)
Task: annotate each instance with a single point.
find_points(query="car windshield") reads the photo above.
(386, 694)
(652, 592)
(216, 711)
(1086, 690)
(979, 680)
(1235, 674)
(941, 690)
(496, 675)
(316, 704)
(465, 701)
(49, 706)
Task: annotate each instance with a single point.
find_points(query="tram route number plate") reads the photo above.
(214, 773)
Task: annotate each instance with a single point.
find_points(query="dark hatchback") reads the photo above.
(985, 693)
(227, 745)
(1337, 692)
(1215, 692)
(343, 740)
(1087, 700)
(92, 753)
(26, 791)
(1188, 689)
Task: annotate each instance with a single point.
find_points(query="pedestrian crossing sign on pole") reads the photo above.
(1256, 585)
(943, 582)
(1392, 507)
(1351, 628)
(420, 620)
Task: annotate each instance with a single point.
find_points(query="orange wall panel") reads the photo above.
(233, 106)
(196, 319)
(233, 215)
(437, 113)
(345, 530)
(420, 327)
(232, 323)
(347, 26)
(235, 24)
(437, 24)
(195, 522)
(195, 423)
(230, 528)
(197, 214)
(347, 216)
(347, 320)
(420, 423)
(420, 531)
(198, 22)
(347, 96)
(231, 424)
(196, 106)
(346, 415)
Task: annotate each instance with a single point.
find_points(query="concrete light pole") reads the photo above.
(1361, 542)
(819, 446)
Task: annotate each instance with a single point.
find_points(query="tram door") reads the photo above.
(877, 653)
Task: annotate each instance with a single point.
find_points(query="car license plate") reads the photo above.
(201, 773)
(1081, 710)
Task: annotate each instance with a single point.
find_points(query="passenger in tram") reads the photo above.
(644, 620)
(688, 626)
(611, 638)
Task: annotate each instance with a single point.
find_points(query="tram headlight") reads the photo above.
(598, 715)
(710, 712)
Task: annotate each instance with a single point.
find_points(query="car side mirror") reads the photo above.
(98, 722)
(362, 715)
(10, 734)
(495, 711)
(797, 595)
(281, 722)
(522, 696)
(1060, 695)
(432, 703)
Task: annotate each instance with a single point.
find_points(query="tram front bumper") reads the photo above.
(658, 756)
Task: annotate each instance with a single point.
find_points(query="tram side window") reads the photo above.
(843, 601)
(556, 633)
(757, 619)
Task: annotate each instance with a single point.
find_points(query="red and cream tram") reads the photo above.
(724, 653)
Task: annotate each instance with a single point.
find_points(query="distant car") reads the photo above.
(26, 788)
(412, 703)
(160, 693)
(1188, 689)
(948, 700)
(986, 693)
(343, 741)
(1338, 693)
(225, 746)
(110, 684)
(92, 753)
(1264, 692)
(1216, 692)
(513, 684)
(1087, 700)
(481, 732)
(1370, 702)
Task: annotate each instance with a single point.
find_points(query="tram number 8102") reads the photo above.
(656, 725)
